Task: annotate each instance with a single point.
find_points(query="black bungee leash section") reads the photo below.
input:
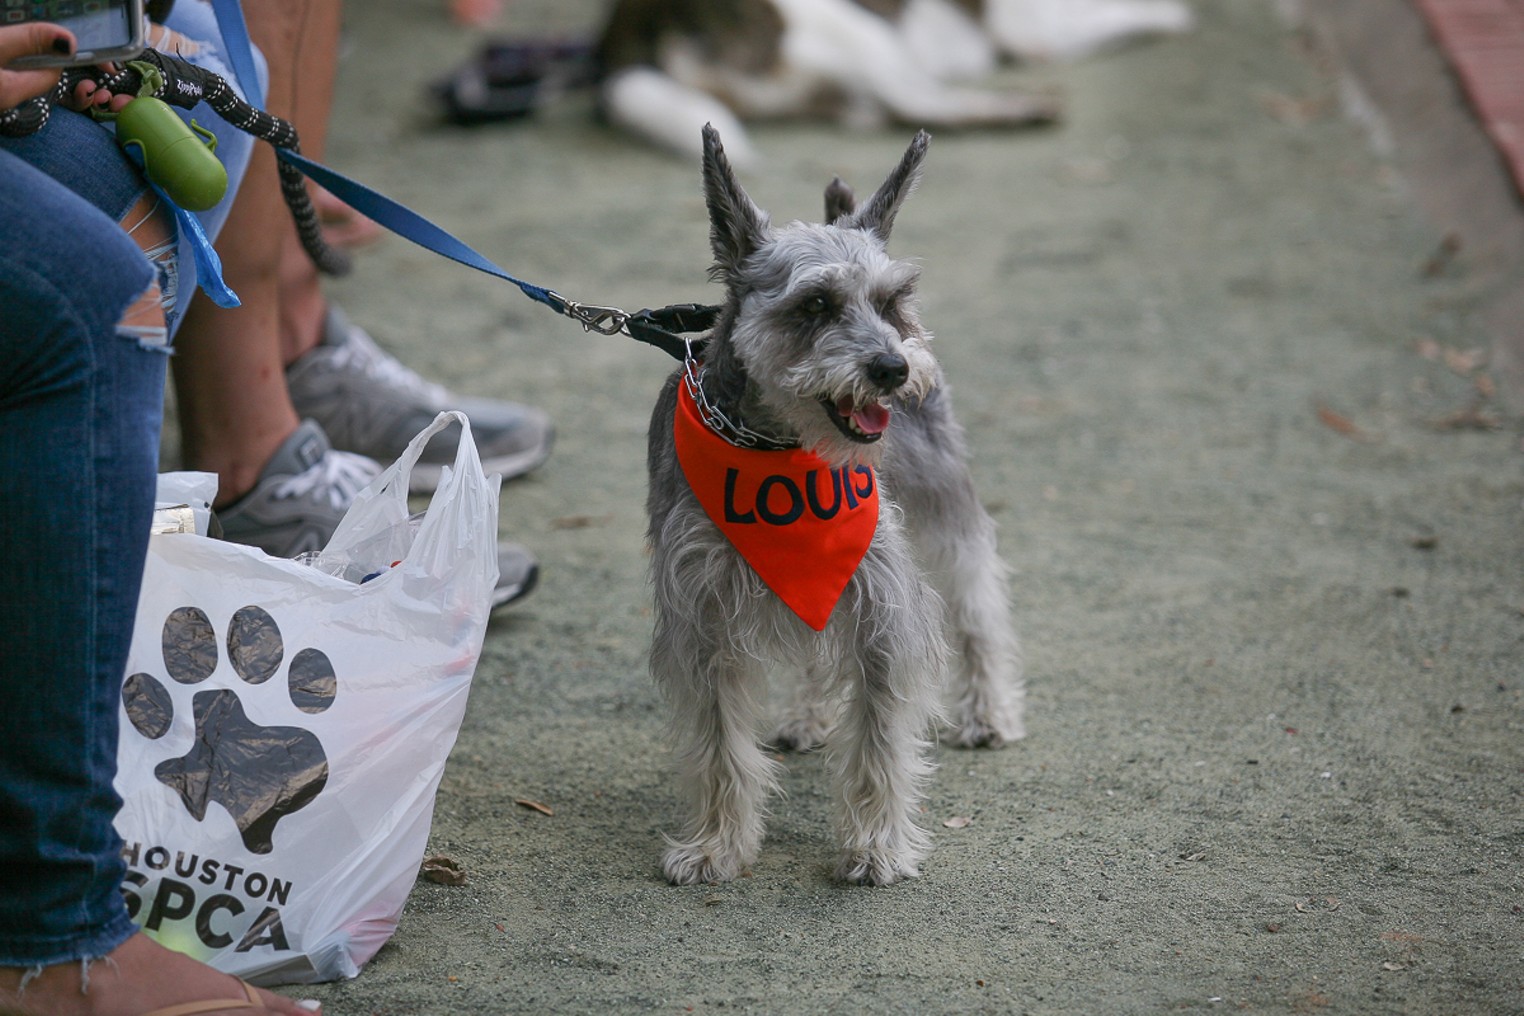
(185, 85)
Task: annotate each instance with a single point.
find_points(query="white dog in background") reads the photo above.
(671, 66)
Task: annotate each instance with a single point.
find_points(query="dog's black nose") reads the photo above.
(888, 371)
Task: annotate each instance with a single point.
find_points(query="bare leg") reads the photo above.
(230, 372)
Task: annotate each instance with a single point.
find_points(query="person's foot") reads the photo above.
(138, 977)
(372, 405)
(300, 496)
(517, 574)
(305, 489)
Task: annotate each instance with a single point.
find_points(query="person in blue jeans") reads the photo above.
(83, 343)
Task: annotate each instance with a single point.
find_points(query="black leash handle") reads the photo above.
(186, 85)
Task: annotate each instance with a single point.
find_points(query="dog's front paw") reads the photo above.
(699, 863)
(877, 867)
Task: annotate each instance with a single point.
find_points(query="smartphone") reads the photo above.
(105, 31)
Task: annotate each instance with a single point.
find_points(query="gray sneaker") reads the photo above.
(300, 496)
(373, 405)
(517, 573)
(305, 489)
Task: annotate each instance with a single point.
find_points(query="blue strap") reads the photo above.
(208, 264)
(396, 217)
(240, 52)
(409, 225)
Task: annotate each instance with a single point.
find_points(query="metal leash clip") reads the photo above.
(593, 318)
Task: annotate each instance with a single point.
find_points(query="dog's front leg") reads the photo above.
(892, 669)
(716, 708)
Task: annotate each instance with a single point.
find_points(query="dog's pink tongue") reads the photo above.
(870, 419)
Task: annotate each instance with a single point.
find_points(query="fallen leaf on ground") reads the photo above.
(543, 809)
(958, 822)
(579, 521)
(443, 870)
(1470, 418)
(1443, 255)
(1340, 424)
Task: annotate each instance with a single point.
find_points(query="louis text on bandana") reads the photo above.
(801, 525)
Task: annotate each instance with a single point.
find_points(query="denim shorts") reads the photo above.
(83, 155)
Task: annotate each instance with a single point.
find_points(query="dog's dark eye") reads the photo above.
(816, 304)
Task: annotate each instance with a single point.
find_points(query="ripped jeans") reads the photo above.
(80, 408)
(81, 402)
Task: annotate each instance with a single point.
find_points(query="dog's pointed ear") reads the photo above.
(737, 227)
(839, 201)
(879, 211)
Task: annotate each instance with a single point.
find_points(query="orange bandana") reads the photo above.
(802, 526)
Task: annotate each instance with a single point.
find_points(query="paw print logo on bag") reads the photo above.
(259, 774)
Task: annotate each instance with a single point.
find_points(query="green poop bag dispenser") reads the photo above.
(179, 159)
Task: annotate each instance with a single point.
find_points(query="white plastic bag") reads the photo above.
(284, 730)
(183, 503)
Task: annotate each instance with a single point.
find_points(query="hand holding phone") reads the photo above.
(106, 31)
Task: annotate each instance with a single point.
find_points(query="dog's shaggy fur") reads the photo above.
(669, 66)
(819, 330)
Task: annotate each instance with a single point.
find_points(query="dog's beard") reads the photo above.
(833, 409)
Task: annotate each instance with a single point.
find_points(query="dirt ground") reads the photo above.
(1219, 381)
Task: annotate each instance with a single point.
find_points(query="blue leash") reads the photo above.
(410, 225)
(653, 327)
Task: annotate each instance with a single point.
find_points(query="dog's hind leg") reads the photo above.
(809, 715)
(987, 693)
(892, 667)
(955, 542)
(717, 707)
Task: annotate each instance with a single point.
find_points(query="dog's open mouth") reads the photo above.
(861, 423)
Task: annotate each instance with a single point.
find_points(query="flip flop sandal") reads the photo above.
(214, 1005)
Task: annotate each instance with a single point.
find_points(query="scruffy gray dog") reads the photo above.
(818, 400)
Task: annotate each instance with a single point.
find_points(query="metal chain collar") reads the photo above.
(733, 431)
